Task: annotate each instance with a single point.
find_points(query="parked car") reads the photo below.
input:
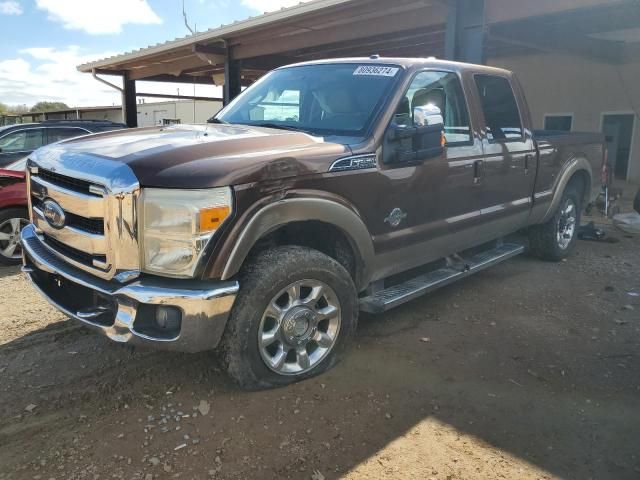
(14, 214)
(13, 191)
(325, 188)
(19, 140)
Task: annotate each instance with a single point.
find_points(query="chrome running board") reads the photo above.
(391, 297)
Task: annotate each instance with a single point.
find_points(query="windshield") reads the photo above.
(327, 99)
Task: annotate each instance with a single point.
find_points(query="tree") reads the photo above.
(3, 108)
(17, 109)
(48, 106)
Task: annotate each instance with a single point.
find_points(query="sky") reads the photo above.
(44, 40)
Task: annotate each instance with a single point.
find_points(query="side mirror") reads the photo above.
(421, 141)
(427, 116)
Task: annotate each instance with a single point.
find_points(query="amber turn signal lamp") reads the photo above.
(212, 218)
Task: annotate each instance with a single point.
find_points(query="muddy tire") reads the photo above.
(556, 239)
(12, 220)
(294, 314)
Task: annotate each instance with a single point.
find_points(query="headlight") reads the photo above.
(176, 226)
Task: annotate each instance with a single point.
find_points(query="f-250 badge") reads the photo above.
(395, 218)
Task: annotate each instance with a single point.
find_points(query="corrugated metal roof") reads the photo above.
(213, 34)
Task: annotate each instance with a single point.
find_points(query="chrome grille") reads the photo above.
(91, 225)
(98, 201)
(66, 182)
(82, 239)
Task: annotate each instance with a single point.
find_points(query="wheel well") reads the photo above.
(582, 182)
(320, 236)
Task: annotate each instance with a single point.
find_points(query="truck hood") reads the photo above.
(203, 156)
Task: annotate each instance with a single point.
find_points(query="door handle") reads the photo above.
(527, 161)
(478, 171)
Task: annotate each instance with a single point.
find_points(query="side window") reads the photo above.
(57, 134)
(500, 109)
(443, 90)
(21, 141)
(281, 106)
(562, 123)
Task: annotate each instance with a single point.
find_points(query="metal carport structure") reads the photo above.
(235, 55)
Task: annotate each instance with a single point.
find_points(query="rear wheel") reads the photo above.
(295, 310)
(12, 221)
(555, 239)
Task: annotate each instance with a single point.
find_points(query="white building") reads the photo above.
(176, 111)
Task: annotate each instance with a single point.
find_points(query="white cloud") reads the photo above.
(50, 74)
(270, 5)
(99, 16)
(10, 8)
(47, 73)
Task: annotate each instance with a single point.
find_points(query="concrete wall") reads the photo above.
(114, 115)
(562, 83)
(108, 113)
(150, 114)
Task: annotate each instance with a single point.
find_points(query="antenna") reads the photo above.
(186, 23)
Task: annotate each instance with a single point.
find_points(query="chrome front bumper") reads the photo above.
(125, 313)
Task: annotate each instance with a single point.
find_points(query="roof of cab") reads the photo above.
(408, 63)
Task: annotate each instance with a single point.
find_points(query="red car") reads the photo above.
(13, 211)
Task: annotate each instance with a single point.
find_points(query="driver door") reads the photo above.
(435, 198)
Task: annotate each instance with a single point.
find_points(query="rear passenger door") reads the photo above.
(509, 165)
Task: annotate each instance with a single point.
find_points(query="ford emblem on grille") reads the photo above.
(53, 213)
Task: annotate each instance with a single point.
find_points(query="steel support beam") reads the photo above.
(465, 31)
(129, 103)
(232, 77)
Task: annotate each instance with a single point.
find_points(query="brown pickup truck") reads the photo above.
(324, 189)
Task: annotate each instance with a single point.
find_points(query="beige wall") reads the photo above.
(562, 83)
(152, 113)
(504, 10)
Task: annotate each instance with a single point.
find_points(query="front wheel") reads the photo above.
(555, 239)
(295, 310)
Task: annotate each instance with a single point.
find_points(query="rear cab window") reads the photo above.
(501, 113)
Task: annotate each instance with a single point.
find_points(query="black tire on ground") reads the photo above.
(6, 231)
(547, 241)
(636, 202)
(261, 281)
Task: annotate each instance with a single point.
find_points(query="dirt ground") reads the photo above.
(530, 370)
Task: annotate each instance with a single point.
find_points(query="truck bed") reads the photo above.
(556, 148)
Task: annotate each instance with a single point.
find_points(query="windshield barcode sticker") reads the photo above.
(376, 71)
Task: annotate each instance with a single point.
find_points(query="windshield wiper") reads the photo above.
(215, 120)
(281, 127)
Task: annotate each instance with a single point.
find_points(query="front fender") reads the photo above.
(289, 210)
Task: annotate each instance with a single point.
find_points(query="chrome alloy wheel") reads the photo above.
(10, 237)
(299, 327)
(567, 223)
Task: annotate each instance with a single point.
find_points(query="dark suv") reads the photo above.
(17, 141)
